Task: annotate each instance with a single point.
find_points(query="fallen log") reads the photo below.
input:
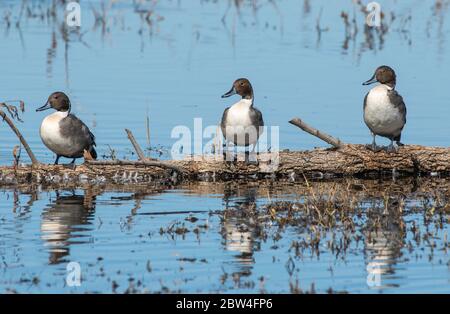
(342, 160)
(321, 163)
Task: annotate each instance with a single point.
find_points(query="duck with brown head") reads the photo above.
(242, 123)
(384, 108)
(63, 133)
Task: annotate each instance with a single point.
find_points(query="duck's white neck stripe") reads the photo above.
(60, 114)
(247, 101)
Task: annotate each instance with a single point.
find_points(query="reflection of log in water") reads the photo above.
(64, 217)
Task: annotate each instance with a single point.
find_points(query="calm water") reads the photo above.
(216, 238)
(173, 68)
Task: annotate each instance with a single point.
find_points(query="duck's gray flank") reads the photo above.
(224, 120)
(79, 134)
(397, 100)
(256, 118)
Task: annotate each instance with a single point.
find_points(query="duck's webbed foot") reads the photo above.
(392, 148)
(226, 154)
(229, 156)
(373, 147)
(72, 164)
(251, 158)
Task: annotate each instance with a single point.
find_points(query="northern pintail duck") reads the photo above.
(63, 133)
(384, 108)
(242, 123)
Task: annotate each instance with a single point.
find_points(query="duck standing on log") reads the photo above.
(65, 134)
(384, 108)
(242, 123)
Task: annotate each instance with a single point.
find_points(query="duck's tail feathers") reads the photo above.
(397, 139)
(93, 152)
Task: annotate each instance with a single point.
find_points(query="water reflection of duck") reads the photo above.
(383, 245)
(65, 216)
(239, 239)
(238, 230)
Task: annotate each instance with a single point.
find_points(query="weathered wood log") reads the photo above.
(347, 161)
(159, 164)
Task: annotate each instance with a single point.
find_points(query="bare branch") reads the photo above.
(14, 113)
(136, 146)
(323, 136)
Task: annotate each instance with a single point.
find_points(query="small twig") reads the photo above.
(16, 155)
(147, 124)
(136, 146)
(34, 161)
(323, 136)
(159, 164)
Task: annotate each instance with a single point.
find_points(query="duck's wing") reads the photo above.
(256, 117)
(398, 102)
(73, 127)
(223, 123)
(365, 101)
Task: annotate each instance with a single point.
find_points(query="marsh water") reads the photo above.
(151, 66)
(233, 237)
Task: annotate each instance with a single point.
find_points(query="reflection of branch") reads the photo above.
(17, 132)
(319, 29)
(277, 10)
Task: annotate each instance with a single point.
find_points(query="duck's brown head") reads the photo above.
(58, 101)
(384, 75)
(241, 87)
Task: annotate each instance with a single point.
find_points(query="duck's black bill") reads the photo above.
(372, 80)
(44, 107)
(230, 93)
